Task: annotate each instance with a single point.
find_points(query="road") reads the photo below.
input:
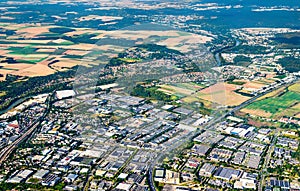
(182, 139)
(5, 153)
(266, 162)
(213, 123)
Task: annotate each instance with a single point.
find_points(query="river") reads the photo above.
(14, 104)
(218, 52)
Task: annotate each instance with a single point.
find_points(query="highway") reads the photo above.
(212, 123)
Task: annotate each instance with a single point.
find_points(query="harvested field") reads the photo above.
(18, 66)
(48, 50)
(191, 39)
(30, 32)
(256, 112)
(26, 47)
(10, 26)
(66, 63)
(253, 85)
(222, 93)
(290, 112)
(31, 41)
(295, 88)
(192, 99)
(272, 94)
(76, 52)
(3, 52)
(133, 35)
(62, 41)
(7, 17)
(35, 70)
(176, 90)
(4, 72)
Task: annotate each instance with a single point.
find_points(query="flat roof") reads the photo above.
(159, 173)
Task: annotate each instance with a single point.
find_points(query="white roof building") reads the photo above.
(41, 174)
(25, 173)
(65, 94)
(123, 186)
(245, 184)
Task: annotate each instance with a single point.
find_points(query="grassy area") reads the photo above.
(295, 88)
(272, 94)
(2, 93)
(9, 69)
(22, 51)
(236, 82)
(281, 104)
(130, 60)
(153, 93)
(291, 111)
(183, 33)
(275, 104)
(280, 76)
(66, 42)
(190, 86)
(183, 89)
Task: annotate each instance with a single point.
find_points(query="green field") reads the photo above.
(190, 86)
(22, 50)
(278, 104)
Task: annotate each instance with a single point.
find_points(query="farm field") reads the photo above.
(253, 85)
(295, 88)
(190, 100)
(257, 112)
(283, 102)
(223, 94)
(180, 90)
(35, 50)
(272, 94)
